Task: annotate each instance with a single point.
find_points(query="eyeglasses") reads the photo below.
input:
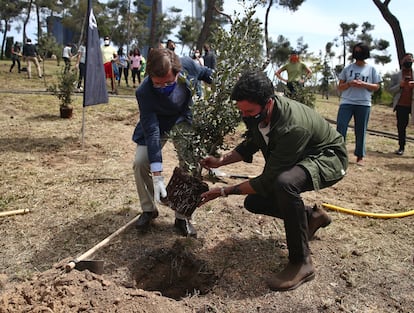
(157, 82)
(164, 84)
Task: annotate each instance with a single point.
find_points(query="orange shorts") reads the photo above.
(109, 72)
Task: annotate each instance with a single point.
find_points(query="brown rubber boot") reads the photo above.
(292, 276)
(317, 219)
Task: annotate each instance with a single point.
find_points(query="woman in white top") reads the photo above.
(357, 82)
(135, 59)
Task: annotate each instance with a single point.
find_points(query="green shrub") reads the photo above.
(215, 115)
(65, 87)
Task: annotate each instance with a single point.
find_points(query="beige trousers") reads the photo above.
(143, 177)
(29, 66)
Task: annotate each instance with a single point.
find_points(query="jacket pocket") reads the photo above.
(330, 167)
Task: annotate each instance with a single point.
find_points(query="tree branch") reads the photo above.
(224, 14)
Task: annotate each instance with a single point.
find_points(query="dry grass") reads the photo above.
(79, 195)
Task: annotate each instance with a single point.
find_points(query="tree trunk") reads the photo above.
(266, 28)
(153, 30)
(208, 20)
(39, 24)
(6, 27)
(26, 20)
(394, 24)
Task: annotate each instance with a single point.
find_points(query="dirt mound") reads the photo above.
(57, 291)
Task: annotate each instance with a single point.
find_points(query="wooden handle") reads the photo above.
(14, 212)
(71, 265)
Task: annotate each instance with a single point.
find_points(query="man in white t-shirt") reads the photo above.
(80, 64)
(67, 55)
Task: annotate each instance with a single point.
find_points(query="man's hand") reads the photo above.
(159, 188)
(210, 162)
(210, 195)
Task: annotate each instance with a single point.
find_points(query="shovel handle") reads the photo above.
(14, 212)
(71, 265)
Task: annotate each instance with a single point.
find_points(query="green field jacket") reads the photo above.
(298, 136)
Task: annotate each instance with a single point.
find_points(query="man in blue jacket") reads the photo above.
(164, 101)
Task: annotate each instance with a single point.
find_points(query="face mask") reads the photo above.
(197, 55)
(253, 121)
(167, 90)
(358, 55)
(407, 64)
(106, 42)
(294, 59)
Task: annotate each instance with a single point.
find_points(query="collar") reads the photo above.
(269, 112)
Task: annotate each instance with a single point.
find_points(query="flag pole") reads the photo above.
(83, 126)
(88, 13)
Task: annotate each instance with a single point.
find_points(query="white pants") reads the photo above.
(143, 181)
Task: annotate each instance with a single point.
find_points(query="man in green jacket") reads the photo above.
(302, 153)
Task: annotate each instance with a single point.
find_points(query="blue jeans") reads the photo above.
(361, 117)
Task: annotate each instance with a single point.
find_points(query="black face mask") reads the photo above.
(253, 121)
(407, 64)
(359, 55)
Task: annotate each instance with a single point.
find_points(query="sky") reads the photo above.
(317, 21)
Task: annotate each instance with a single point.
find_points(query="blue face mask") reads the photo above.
(167, 90)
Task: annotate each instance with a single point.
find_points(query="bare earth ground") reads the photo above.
(80, 195)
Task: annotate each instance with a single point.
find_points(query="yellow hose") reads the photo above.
(368, 214)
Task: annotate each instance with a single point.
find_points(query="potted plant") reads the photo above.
(64, 90)
(215, 115)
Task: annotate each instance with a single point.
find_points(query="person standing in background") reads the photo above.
(297, 72)
(135, 59)
(67, 55)
(16, 53)
(198, 58)
(80, 64)
(109, 57)
(30, 54)
(200, 61)
(210, 58)
(123, 66)
(170, 45)
(357, 82)
(401, 86)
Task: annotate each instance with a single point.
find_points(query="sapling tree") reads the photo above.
(238, 49)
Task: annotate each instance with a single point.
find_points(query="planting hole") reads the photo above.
(175, 273)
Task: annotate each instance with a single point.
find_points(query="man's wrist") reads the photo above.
(223, 192)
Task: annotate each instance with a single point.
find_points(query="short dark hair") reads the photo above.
(364, 49)
(407, 54)
(160, 61)
(253, 86)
